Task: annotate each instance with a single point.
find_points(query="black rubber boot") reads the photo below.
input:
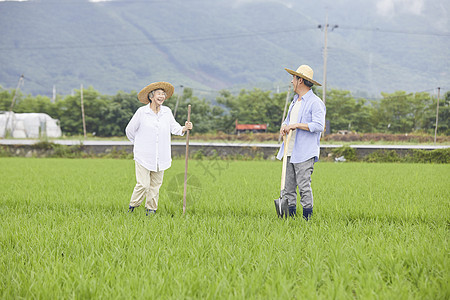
(307, 213)
(292, 211)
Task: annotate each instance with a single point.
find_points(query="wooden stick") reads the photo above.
(186, 163)
(283, 171)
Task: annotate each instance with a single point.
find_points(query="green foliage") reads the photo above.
(5, 99)
(347, 113)
(198, 155)
(58, 150)
(438, 156)
(108, 116)
(205, 116)
(4, 151)
(252, 107)
(346, 151)
(45, 145)
(116, 113)
(402, 113)
(444, 116)
(383, 156)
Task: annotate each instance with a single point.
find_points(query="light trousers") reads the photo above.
(299, 175)
(147, 186)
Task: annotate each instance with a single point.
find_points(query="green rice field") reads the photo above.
(379, 231)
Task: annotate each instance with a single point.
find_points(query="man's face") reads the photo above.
(296, 81)
(159, 96)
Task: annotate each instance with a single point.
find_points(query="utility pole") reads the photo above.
(82, 111)
(21, 79)
(54, 94)
(15, 93)
(285, 108)
(437, 114)
(325, 57)
(178, 100)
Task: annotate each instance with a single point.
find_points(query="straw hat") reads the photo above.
(304, 72)
(165, 86)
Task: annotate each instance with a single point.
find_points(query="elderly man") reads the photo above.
(149, 130)
(306, 118)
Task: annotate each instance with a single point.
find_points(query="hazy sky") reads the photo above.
(390, 7)
(384, 7)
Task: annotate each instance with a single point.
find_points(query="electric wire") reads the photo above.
(186, 39)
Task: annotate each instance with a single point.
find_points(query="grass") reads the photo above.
(379, 231)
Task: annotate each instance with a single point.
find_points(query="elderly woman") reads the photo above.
(149, 130)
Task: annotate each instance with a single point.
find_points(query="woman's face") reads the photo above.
(159, 96)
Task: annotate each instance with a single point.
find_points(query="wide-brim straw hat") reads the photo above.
(304, 72)
(165, 86)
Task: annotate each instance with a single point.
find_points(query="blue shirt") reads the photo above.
(307, 143)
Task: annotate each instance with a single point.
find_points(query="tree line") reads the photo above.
(108, 115)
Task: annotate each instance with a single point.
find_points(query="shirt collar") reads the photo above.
(148, 110)
(305, 97)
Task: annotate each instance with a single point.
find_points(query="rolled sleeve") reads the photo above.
(318, 118)
(176, 128)
(307, 143)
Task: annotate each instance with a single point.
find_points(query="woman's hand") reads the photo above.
(187, 126)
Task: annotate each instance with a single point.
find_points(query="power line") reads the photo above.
(36, 82)
(213, 37)
(163, 41)
(443, 34)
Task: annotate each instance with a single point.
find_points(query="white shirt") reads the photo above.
(150, 134)
(292, 120)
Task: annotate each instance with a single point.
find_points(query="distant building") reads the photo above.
(28, 125)
(241, 128)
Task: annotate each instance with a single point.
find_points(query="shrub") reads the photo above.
(198, 155)
(346, 151)
(383, 156)
(438, 156)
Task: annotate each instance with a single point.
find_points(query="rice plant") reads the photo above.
(379, 231)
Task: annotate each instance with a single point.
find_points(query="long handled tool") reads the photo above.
(281, 205)
(186, 163)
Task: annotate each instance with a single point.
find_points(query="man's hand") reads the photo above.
(286, 128)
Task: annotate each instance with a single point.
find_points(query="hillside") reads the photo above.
(222, 44)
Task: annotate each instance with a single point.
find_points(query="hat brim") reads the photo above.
(165, 86)
(292, 72)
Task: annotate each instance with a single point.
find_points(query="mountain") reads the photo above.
(208, 45)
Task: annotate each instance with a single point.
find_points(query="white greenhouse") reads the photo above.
(28, 125)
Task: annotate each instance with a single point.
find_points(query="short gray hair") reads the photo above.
(152, 93)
